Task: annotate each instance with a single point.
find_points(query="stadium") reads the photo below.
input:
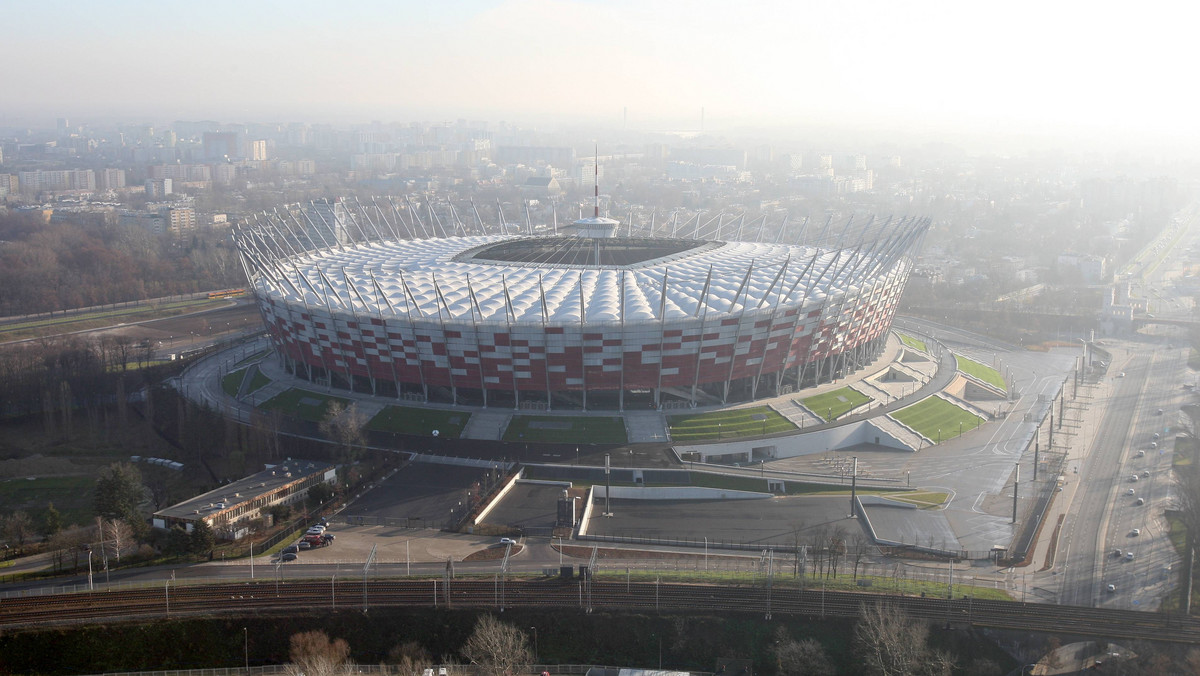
(375, 298)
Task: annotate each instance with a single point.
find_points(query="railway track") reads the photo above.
(264, 597)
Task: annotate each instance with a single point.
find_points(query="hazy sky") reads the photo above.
(1007, 66)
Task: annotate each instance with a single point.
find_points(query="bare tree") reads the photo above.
(117, 537)
(805, 657)
(313, 654)
(890, 643)
(18, 527)
(858, 549)
(498, 648)
(409, 659)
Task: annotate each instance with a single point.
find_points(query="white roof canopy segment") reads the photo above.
(386, 258)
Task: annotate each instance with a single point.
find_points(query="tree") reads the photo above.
(178, 541)
(117, 536)
(51, 521)
(119, 493)
(344, 425)
(201, 538)
(18, 527)
(805, 657)
(409, 659)
(890, 643)
(313, 654)
(319, 495)
(498, 648)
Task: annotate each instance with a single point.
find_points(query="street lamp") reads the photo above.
(246, 648)
(535, 644)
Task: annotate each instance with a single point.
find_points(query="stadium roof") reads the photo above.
(497, 278)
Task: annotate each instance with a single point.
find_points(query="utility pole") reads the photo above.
(607, 486)
(854, 487)
(1016, 480)
(1036, 445)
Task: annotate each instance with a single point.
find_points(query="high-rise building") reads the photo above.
(158, 187)
(111, 179)
(57, 180)
(258, 150)
(220, 145)
(179, 220)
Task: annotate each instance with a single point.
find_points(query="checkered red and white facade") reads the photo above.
(721, 321)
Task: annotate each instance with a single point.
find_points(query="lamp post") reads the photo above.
(535, 644)
(246, 648)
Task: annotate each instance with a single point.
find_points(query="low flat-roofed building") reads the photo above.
(230, 508)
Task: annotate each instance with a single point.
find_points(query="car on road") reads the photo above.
(1130, 492)
(287, 556)
(1112, 588)
(1128, 556)
(1135, 532)
(1140, 501)
(1159, 412)
(1155, 437)
(1145, 473)
(1117, 553)
(1120, 375)
(1133, 478)
(1153, 444)
(507, 541)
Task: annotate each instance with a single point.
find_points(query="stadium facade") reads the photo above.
(372, 296)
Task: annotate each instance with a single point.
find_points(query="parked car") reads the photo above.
(1117, 553)
(1130, 492)
(1112, 588)
(287, 556)
(1140, 501)
(290, 549)
(1135, 532)
(1141, 454)
(507, 541)
(1128, 556)
(304, 544)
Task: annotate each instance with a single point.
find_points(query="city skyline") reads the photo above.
(928, 67)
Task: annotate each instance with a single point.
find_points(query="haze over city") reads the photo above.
(501, 337)
(1044, 72)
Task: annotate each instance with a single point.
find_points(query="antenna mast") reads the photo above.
(596, 178)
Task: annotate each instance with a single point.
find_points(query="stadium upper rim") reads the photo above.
(368, 259)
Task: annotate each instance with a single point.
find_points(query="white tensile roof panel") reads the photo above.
(433, 274)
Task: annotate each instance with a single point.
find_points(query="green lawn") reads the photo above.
(422, 421)
(132, 312)
(72, 496)
(835, 404)
(922, 499)
(976, 370)
(566, 429)
(303, 403)
(742, 422)
(932, 414)
(232, 382)
(784, 578)
(913, 343)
